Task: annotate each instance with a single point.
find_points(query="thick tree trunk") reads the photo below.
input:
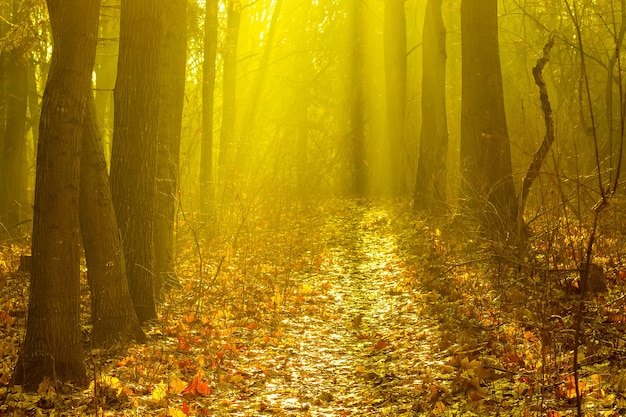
(430, 183)
(395, 82)
(206, 191)
(53, 344)
(133, 155)
(112, 315)
(168, 150)
(487, 180)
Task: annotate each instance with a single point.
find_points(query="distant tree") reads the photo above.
(133, 155)
(105, 69)
(229, 89)
(487, 179)
(430, 184)
(12, 171)
(209, 66)
(395, 82)
(172, 96)
(112, 314)
(53, 344)
(357, 102)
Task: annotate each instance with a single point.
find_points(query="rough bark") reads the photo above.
(133, 154)
(112, 314)
(487, 181)
(168, 149)
(430, 183)
(53, 345)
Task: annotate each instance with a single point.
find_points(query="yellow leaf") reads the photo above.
(176, 385)
(160, 392)
(175, 412)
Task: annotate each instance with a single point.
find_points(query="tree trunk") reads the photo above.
(357, 119)
(112, 314)
(487, 180)
(106, 66)
(206, 192)
(53, 344)
(12, 181)
(395, 82)
(227, 130)
(168, 150)
(430, 183)
(133, 155)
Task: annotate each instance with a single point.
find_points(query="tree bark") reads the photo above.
(431, 183)
(53, 345)
(133, 154)
(168, 149)
(487, 179)
(112, 315)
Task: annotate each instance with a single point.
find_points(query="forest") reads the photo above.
(312, 208)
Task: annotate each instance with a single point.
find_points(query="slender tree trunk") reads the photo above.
(53, 344)
(229, 106)
(12, 181)
(357, 118)
(112, 315)
(395, 79)
(106, 66)
(133, 155)
(430, 183)
(487, 180)
(170, 125)
(206, 191)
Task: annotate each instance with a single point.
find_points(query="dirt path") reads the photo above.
(353, 347)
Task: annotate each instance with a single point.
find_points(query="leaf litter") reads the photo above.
(345, 309)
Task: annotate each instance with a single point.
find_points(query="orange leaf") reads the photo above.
(203, 387)
(182, 343)
(381, 344)
(185, 407)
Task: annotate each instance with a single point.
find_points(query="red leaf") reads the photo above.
(182, 344)
(185, 408)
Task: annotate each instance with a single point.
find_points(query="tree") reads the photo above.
(357, 117)
(229, 90)
(430, 183)
(53, 344)
(133, 155)
(12, 172)
(395, 86)
(172, 92)
(112, 314)
(487, 180)
(208, 100)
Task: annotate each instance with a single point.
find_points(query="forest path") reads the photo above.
(357, 346)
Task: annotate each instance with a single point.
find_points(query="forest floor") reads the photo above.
(344, 309)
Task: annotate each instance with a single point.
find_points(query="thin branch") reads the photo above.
(540, 155)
